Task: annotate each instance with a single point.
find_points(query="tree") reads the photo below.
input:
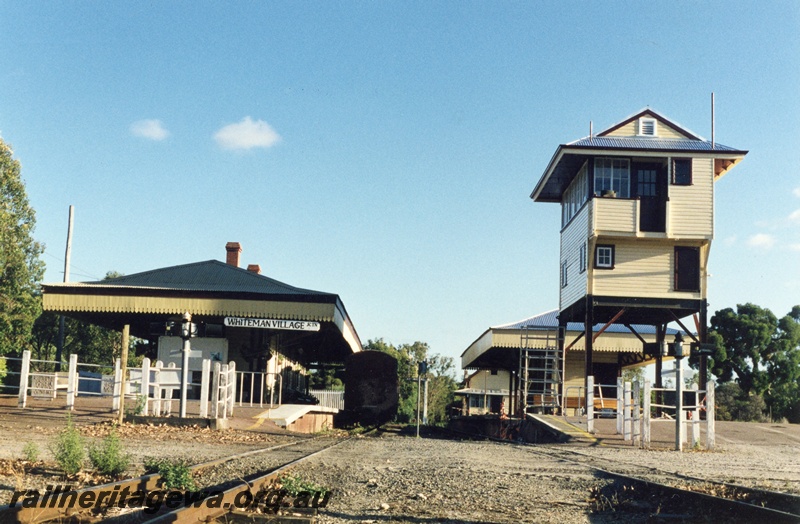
(440, 386)
(92, 343)
(761, 353)
(21, 271)
(326, 377)
(731, 404)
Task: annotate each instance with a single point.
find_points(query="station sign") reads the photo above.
(267, 323)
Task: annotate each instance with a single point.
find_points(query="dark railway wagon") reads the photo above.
(371, 388)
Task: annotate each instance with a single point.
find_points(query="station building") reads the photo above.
(237, 315)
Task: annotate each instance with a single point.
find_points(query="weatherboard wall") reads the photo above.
(691, 208)
(573, 236)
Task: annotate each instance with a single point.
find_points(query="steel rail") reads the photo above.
(49, 509)
(202, 512)
(771, 506)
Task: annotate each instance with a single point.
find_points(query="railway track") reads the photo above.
(217, 494)
(677, 496)
(682, 494)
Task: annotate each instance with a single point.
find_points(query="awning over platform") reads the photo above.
(210, 291)
(498, 347)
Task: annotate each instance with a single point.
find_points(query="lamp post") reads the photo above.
(678, 347)
(186, 334)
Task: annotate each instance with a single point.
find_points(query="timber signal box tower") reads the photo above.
(637, 221)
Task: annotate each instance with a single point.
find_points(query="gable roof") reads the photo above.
(651, 113)
(568, 158)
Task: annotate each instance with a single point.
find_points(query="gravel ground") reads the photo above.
(405, 479)
(396, 477)
(193, 444)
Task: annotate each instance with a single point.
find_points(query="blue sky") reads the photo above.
(386, 151)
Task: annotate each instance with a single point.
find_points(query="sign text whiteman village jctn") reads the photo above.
(267, 323)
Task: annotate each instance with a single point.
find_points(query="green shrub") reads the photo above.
(68, 449)
(175, 474)
(138, 408)
(108, 458)
(295, 486)
(31, 452)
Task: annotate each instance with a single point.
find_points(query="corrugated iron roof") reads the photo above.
(208, 276)
(549, 320)
(652, 144)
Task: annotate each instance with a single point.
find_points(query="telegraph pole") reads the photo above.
(67, 256)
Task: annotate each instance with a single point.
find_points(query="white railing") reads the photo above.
(688, 418)
(153, 386)
(329, 398)
(223, 390)
(259, 387)
(256, 386)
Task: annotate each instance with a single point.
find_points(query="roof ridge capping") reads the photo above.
(173, 274)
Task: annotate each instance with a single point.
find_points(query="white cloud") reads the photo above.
(761, 240)
(247, 134)
(794, 247)
(151, 129)
(796, 192)
(795, 216)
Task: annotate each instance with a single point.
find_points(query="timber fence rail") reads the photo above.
(688, 419)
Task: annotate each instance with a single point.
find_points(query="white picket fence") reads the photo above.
(152, 386)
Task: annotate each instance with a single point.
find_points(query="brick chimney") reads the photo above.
(233, 249)
(255, 268)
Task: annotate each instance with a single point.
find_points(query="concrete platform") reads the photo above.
(562, 430)
(304, 418)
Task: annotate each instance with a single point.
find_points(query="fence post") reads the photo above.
(696, 417)
(635, 405)
(170, 391)
(646, 413)
(23, 378)
(156, 384)
(204, 377)
(215, 390)
(117, 385)
(145, 385)
(231, 387)
(590, 403)
(711, 437)
(72, 381)
(620, 405)
(223, 386)
(626, 411)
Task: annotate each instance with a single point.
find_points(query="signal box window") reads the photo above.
(682, 171)
(604, 257)
(687, 268)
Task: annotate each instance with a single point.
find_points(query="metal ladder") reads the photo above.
(539, 371)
